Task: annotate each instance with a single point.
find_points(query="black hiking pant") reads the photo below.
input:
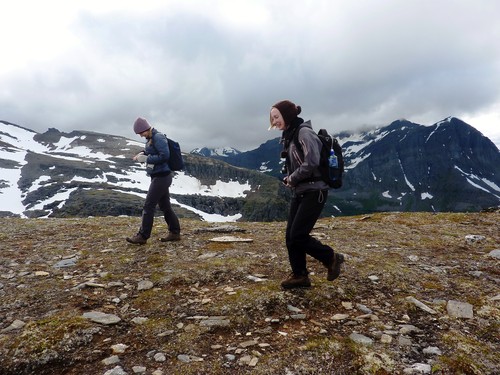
(159, 194)
(305, 209)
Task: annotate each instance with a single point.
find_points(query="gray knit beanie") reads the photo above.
(141, 125)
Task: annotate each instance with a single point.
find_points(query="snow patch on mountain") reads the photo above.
(18, 142)
(211, 152)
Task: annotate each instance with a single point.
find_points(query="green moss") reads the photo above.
(467, 354)
(151, 328)
(322, 344)
(460, 363)
(154, 300)
(47, 333)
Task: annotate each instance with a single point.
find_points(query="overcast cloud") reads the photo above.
(207, 72)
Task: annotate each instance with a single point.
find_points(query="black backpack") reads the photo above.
(331, 175)
(175, 162)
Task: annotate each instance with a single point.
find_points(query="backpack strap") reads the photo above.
(295, 140)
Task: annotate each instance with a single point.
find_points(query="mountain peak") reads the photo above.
(216, 152)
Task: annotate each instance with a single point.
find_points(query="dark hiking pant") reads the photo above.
(305, 209)
(158, 194)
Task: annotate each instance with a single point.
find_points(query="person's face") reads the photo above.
(144, 134)
(277, 119)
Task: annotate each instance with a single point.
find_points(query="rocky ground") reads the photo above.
(419, 293)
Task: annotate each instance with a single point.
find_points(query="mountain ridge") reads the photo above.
(88, 173)
(448, 166)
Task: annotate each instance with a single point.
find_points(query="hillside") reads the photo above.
(419, 293)
(82, 174)
(447, 167)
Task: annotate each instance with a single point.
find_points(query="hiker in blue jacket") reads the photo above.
(309, 195)
(155, 155)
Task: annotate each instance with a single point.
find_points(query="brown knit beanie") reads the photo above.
(288, 110)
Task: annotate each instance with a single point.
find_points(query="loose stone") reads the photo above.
(119, 348)
(66, 263)
(102, 318)
(118, 370)
(363, 308)
(16, 324)
(385, 339)
(421, 305)
(247, 344)
(293, 309)
(404, 341)
(139, 320)
(215, 322)
(160, 357)
(408, 328)
(340, 316)
(253, 362)
(144, 285)
(474, 238)
(459, 309)
(361, 339)
(114, 359)
(418, 368)
(184, 358)
(432, 350)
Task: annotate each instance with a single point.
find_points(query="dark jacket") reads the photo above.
(158, 154)
(303, 162)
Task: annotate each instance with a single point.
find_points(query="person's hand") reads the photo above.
(141, 158)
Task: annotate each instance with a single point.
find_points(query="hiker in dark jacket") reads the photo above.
(309, 195)
(155, 155)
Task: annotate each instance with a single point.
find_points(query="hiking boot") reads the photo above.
(334, 266)
(137, 239)
(295, 281)
(171, 237)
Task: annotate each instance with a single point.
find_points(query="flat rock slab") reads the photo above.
(459, 309)
(495, 253)
(231, 239)
(361, 339)
(70, 262)
(215, 322)
(102, 318)
(221, 229)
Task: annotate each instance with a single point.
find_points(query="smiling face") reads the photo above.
(277, 120)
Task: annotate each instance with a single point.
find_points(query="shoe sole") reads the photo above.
(339, 258)
(296, 287)
(134, 243)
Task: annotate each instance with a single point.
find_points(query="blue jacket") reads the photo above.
(158, 154)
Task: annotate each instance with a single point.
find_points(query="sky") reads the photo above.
(207, 72)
